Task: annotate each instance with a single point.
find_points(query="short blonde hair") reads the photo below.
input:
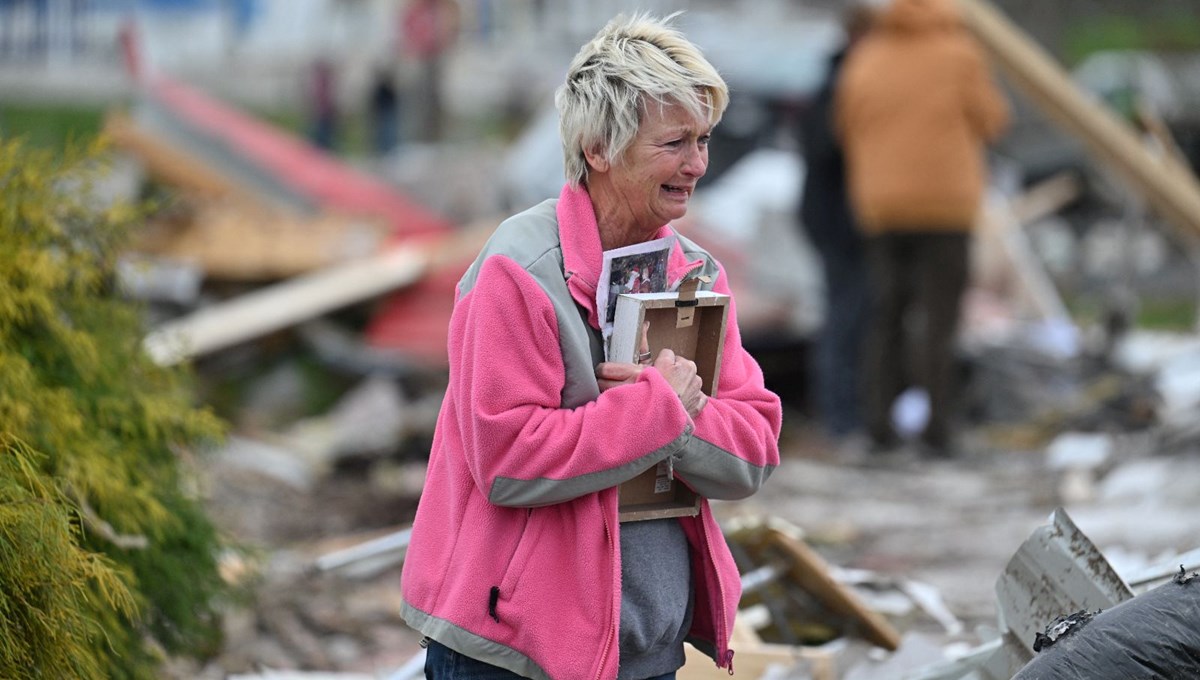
(629, 63)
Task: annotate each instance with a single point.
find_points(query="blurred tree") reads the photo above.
(107, 562)
(1165, 32)
(1072, 29)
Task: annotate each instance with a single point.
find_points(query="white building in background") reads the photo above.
(257, 51)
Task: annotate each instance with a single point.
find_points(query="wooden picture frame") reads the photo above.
(692, 324)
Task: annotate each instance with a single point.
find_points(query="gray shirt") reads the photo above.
(656, 598)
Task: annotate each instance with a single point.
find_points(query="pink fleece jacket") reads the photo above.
(515, 551)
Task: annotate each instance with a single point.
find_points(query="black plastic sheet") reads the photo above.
(1154, 636)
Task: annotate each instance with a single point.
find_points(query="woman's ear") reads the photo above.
(596, 160)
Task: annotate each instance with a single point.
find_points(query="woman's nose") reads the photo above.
(696, 162)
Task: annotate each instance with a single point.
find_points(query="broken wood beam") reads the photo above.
(1047, 197)
(812, 573)
(282, 305)
(754, 660)
(368, 558)
(1005, 257)
(1167, 185)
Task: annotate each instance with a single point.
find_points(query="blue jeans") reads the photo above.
(443, 663)
(837, 354)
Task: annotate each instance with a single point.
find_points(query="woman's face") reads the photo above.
(654, 179)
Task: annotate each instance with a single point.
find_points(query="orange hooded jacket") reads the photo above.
(915, 109)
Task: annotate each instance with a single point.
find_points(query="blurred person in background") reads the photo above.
(519, 566)
(323, 106)
(384, 107)
(428, 29)
(828, 222)
(915, 109)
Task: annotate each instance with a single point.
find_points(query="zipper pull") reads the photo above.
(493, 598)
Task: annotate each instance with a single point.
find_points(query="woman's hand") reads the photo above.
(610, 374)
(680, 373)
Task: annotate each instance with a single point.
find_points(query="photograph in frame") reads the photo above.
(639, 268)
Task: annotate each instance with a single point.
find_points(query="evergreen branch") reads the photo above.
(106, 530)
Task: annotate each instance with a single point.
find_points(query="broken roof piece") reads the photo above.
(1057, 570)
(256, 149)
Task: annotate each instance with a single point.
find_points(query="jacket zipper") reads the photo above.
(723, 650)
(615, 598)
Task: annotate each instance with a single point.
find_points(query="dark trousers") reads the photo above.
(837, 352)
(443, 663)
(917, 283)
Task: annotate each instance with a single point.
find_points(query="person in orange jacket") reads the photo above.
(915, 109)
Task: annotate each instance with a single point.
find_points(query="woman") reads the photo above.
(518, 566)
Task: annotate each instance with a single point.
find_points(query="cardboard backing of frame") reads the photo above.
(694, 329)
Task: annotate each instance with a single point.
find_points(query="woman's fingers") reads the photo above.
(679, 372)
(610, 374)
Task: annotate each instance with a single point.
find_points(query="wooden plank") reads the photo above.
(1157, 128)
(1046, 197)
(1168, 186)
(284, 304)
(752, 661)
(235, 241)
(1003, 257)
(810, 571)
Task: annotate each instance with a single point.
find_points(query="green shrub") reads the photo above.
(106, 559)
